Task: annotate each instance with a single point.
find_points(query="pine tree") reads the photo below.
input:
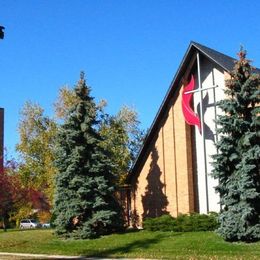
(84, 203)
(236, 165)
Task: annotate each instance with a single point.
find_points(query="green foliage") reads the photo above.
(115, 141)
(84, 205)
(128, 117)
(121, 133)
(36, 149)
(67, 98)
(123, 138)
(236, 165)
(163, 223)
(183, 223)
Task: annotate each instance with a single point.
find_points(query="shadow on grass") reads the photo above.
(129, 230)
(134, 246)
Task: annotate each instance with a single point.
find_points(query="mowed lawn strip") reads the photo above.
(142, 244)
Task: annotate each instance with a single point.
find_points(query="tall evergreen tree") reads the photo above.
(236, 165)
(84, 203)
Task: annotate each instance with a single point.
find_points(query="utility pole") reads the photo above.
(1, 121)
(1, 140)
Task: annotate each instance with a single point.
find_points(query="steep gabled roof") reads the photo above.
(224, 61)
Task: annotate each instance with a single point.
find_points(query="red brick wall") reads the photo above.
(164, 184)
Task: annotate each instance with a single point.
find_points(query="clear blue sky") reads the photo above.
(129, 49)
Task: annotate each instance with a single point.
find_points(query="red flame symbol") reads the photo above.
(190, 116)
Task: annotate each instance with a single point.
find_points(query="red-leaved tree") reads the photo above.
(11, 191)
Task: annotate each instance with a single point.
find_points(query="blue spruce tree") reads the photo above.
(236, 165)
(84, 203)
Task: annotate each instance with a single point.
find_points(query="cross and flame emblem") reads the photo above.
(190, 116)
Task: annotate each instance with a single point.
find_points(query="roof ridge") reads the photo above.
(199, 45)
(225, 61)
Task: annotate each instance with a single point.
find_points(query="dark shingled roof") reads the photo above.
(224, 61)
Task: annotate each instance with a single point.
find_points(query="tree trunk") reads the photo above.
(4, 223)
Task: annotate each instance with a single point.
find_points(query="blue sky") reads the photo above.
(129, 49)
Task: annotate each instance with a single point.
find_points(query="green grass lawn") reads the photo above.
(142, 244)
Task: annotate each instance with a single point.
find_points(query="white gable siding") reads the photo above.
(211, 76)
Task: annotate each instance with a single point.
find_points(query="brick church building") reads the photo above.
(172, 171)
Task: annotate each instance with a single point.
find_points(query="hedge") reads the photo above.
(183, 223)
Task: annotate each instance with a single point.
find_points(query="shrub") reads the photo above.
(183, 223)
(163, 223)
